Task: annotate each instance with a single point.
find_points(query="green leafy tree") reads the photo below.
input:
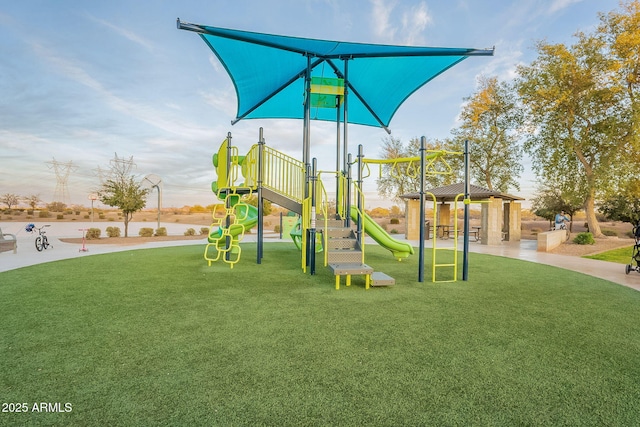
(123, 190)
(574, 106)
(624, 206)
(491, 120)
(549, 201)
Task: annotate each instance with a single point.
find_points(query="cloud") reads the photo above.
(557, 5)
(404, 27)
(129, 35)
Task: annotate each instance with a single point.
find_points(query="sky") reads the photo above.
(84, 81)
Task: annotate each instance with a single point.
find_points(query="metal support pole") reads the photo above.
(312, 228)
(345, 142)
(227, 240)
(467, 190)
(260, 242)
(423, 143)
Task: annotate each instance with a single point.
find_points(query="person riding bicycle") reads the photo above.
(561, 219)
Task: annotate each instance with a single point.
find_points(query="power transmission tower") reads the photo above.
(62, 171)
(121, 167)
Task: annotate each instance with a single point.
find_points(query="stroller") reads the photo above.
(634, 265)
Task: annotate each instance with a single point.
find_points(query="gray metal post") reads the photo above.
(312, 228)
(227, 240)
(345, 142)
(423, 143)
(467, 190)
(260, 242)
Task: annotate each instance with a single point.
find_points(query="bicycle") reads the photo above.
(41, 241)
(563, 226)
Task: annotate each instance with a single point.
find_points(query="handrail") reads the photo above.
(360, 194)
(281, 173)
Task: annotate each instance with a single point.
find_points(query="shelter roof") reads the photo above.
(448, 193)
(269, 72)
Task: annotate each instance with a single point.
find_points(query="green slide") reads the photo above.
(250, 215)
(398, 249)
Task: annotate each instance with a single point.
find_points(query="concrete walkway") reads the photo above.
(525, 250)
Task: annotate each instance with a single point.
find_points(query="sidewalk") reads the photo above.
(525, 250)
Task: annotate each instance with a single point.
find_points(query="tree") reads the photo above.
(491, 119)
(33, 200)
(10, 199)
(575, 111)
(123, 191)
(549, 201)
(402, 178)
(624, 206)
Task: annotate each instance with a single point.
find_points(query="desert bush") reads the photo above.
(190, 232)
(276, 228)
(584, 239)
(59, 216)
(608, 232)
(204, 231)
(113, 231)
(394, 221)
(101, 216)
(93, 233)
(145, 232)
(162, 231)
(86, 217)
(29, 211)
(43, 214)
(393, 231)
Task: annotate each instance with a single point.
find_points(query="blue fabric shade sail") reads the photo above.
(268, 72)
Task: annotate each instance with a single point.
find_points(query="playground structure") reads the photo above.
(341, 82)
(338, 234)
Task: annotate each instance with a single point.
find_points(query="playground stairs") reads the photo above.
(344, 256)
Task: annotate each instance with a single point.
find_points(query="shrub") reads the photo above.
(276, 228)
(162, 231)
(101, 216)
(43, 214)
(59, 216)
(204, 231)
(93, 233)
(113, 231)
(86, 217)
(77, 213)
(190, 232)
(584, 239)
(146, 232)
(608, 232)
(393, 231)
(29, 211)
(394, 221)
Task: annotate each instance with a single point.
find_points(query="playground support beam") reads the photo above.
(312, 228)
(260, 199)
(423, 144)
(227, 200)
(467, 190)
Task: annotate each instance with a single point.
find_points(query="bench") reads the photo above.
(475, 233)
(550, 240)
(8, 242)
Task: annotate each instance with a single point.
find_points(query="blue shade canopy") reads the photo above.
(268, 72)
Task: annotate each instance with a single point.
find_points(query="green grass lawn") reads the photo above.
(620, 255)
(155, 337)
